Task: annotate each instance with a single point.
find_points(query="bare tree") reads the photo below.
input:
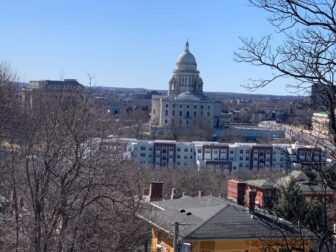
(65, 192)
(307, 57)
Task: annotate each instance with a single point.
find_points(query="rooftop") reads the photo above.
(261, 183)
(208, 217)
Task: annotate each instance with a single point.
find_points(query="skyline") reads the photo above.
(132, 44)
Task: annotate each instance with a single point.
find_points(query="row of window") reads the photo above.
(188, 106)
(223, 167)
(187, 113)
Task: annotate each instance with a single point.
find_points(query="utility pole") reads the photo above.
(176, 236)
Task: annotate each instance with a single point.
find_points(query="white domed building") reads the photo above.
(185, 106)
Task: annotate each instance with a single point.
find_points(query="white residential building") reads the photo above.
(222, 156)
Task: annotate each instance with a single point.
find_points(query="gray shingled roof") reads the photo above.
(262, 183)
(214, 218)
(298, 176)
(310, 187)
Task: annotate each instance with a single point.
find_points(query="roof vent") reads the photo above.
(189, 213)
(182, 211)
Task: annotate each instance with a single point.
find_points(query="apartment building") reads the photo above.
(221, 156)
(300, 155)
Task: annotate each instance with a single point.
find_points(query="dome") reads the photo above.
(186, 58)
(186, 61)
(187, 96)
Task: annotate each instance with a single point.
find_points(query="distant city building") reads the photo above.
(50, 88)
(322, 96)
(251, 132)
(55, 86)
(222, 156)
(321, 125)
(185, 106)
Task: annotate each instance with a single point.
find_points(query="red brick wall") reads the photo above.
(236, 191)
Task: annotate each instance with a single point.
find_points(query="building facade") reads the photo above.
(185, 106)
(50, 89)
(67, 85)
(222, 156)
(321, 125)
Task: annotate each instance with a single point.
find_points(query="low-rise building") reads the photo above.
(207, 223)
(264, 192)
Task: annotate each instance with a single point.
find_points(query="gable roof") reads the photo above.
(262, 183)
(295, 175)
(214, 218)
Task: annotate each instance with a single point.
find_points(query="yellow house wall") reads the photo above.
(236, 245)
(165, 239)
(216, 245)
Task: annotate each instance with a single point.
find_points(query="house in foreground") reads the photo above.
(210, 224)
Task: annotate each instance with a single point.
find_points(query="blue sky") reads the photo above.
(131, 43)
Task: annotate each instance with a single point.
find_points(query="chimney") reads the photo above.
(155, 191)
(200, 193)
(173, 193)
(251, 200)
